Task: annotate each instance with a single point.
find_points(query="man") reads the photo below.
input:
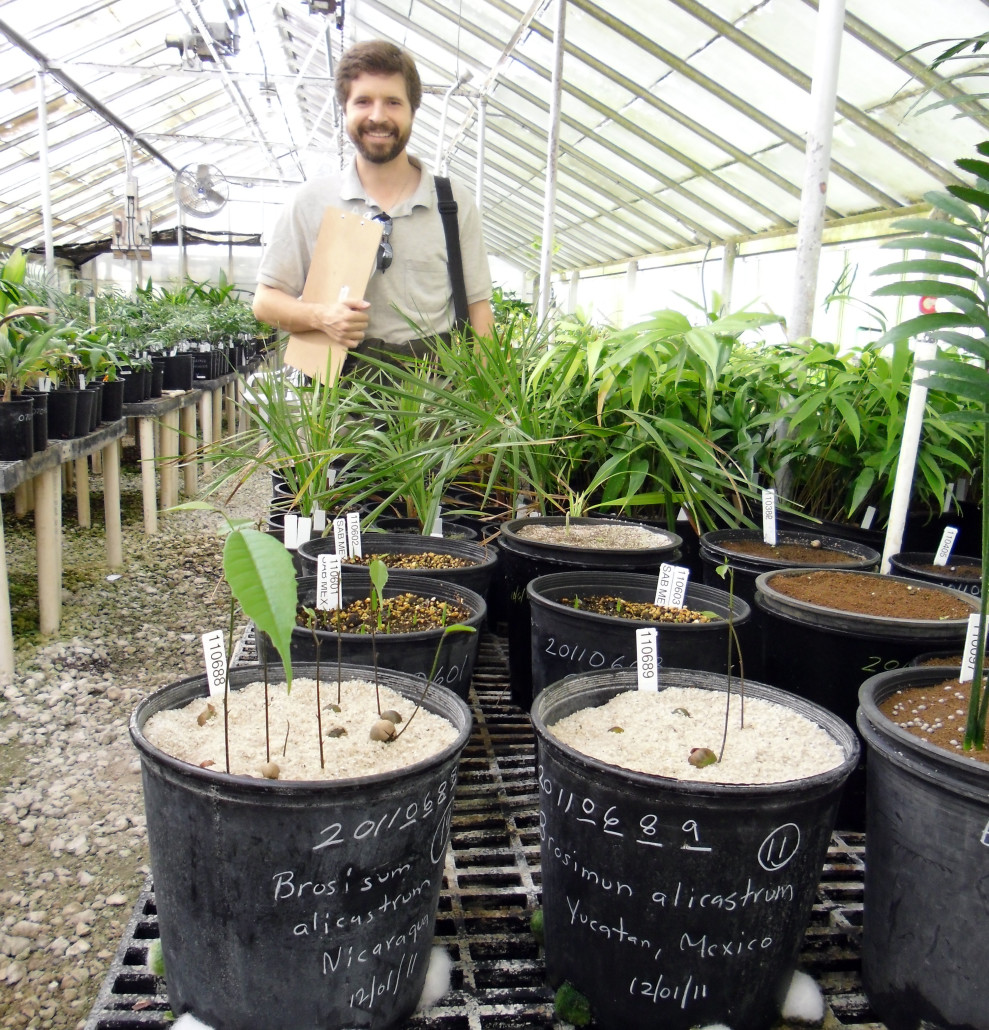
(379, 91)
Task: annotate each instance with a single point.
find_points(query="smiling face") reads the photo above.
(379, 117)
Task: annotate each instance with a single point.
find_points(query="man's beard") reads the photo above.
(379, 151)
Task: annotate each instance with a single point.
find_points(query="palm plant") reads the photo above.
(27, 344)
(955, 270)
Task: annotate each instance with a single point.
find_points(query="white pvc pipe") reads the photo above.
(814, 195)
(46, 189)
(552, 155)
(482, 110)
(913, 426)
(441, 131)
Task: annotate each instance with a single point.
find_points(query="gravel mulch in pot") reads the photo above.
(412, 560)
(640, 611)
(935, 713)
(404, 613)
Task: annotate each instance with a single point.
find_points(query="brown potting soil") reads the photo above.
(796, 553)
(404, 613)
(961, 571)
(413, 560)
(640, 611)
(870, 594)
(935, 713)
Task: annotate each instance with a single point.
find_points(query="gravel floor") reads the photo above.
(73, 854)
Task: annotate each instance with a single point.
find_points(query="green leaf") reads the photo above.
(980, 198)
(935, 227)
(953, 206)
(976, 167)
(933, 244)
(922, 324)
(927, 288)
(929, 266)
(261, 576)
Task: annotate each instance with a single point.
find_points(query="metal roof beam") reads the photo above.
(80, 93)
(799, 78)
(736, 102)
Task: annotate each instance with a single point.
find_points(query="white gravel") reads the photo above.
(72, 837)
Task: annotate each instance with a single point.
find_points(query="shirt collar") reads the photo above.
(351, 187)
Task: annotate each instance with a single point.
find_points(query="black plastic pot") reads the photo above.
(85, 402)
(179, 372)
(453, 655)
(286, 904)
(567, 640)
(16, 429)
(113, 400)
(672, 903)
(453, 527)
(96, 414)
(822, 654)
(924, 943)
(157, 378)
(134, 386)
(523, 559)
(916, 565)
(40, 413)
(62, 414)
(476, 576)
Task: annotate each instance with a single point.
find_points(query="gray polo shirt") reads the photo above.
(417, 284)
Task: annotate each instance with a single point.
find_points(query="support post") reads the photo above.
(813, 203)
(552, 154)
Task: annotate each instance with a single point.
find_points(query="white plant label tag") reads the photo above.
(971, 646)
(949, 499)
(870, 514)
(340, 538)
(354, 535)
(303, 530)
(328, 585)
(331, 476)
(291, 531)
(82, 382)
(671, 587)
(318, 521)
(947, 542)
(769, 517)
(647, 658)
(216, 662)
(437, 529)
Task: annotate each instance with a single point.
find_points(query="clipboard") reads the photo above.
(342, 263)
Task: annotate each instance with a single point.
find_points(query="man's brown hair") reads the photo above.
(377, 57)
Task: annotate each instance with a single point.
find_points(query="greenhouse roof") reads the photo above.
(681, 124)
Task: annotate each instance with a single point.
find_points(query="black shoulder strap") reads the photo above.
(451, 227)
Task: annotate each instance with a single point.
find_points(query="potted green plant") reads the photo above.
(336, 880)
(925, 905)
(28, 346)
(676, 892)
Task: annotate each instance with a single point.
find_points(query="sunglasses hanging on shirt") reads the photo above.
(385, 253)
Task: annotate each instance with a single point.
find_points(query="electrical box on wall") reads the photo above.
(131, 232)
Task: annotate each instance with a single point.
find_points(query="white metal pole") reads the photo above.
(913, 425)
(728, 275)
(482, 111)
(631, 281)
(813, 204)
(46, 195)
(552, 154)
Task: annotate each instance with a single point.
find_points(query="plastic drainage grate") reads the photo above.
(492, 886)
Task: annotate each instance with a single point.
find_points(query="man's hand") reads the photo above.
(344, 322)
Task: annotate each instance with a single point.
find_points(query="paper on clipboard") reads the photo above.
(342, 262)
